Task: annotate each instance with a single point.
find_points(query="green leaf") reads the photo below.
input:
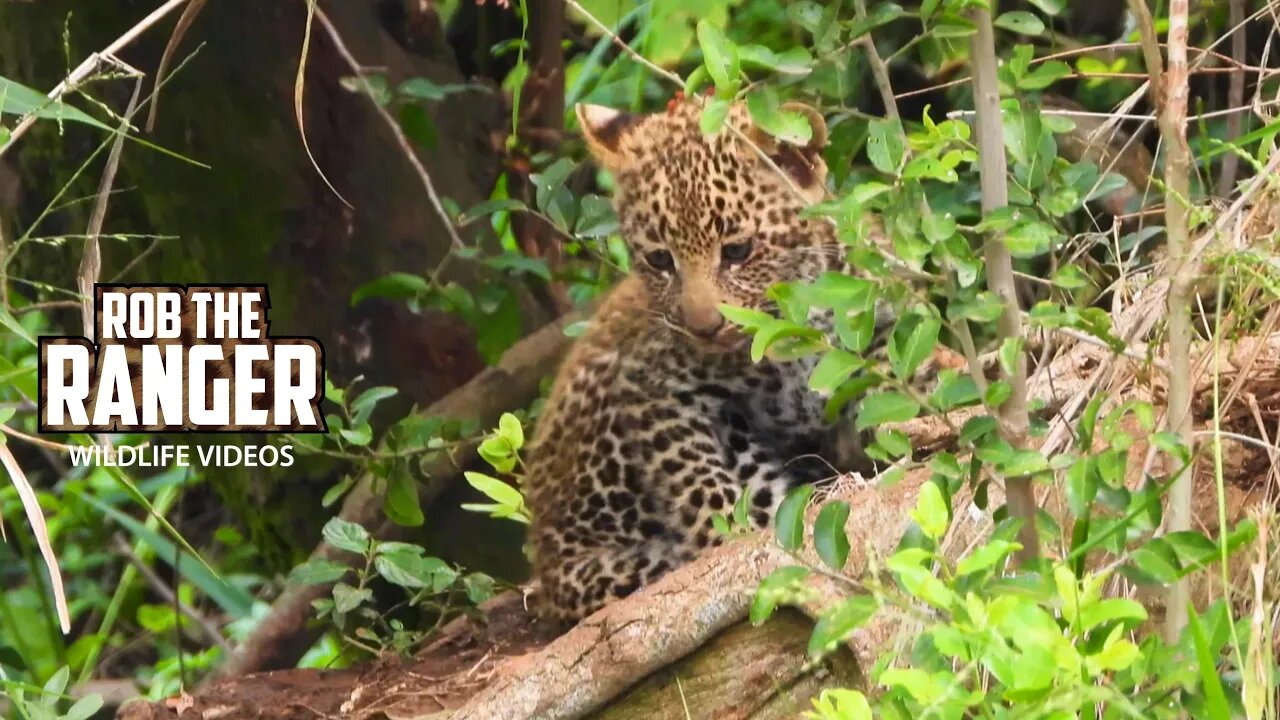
(894, 442)
(789, 522)
(773, 331)
(720, 56)
(86, 707)
(496, 451)
(1070, 277)
(1020, 22)
(916, 682)
(419, 126)
(489, 207)
(1044, 75)
(1215, 697)
(57, 683)
(596, 218)
(921, 583)
(421, 88)
(713, 116)
(411, 570)
(986, 557)
(401, 503)
(829, 538)
(347, 598)
(885, 407)
(1050, 7)
(363, 405)
(954, 26)
(836, 626)
(479, 587)
(1010, 353)
(794, 61)
(495, 489)
(346, 535)
(906, 354)
(9, 321)
(18, 99)
(397, 285)
(954, 390)
(359, 435)
(838, 704)
(509, 429)
(767, 114)
(833, 369)
(931, 512)
(514, 262)
(318, 572)
(997, 393)
(938, 226)
(780, 586)
(885, 146)
(746, 318)
(1109, 610)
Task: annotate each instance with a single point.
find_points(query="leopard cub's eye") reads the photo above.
(660, 260)
(735, 252)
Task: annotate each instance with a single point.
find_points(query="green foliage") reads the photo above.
(430, 586)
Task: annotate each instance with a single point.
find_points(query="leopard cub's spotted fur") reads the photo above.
(659, 418)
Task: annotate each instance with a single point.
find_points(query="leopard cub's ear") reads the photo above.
(604, 129)
(803, 163)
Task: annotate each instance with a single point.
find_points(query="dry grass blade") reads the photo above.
(185, 21)
(298, 84)
(38, 527)
(91, 260)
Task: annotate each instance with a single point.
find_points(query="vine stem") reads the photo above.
(993, 170)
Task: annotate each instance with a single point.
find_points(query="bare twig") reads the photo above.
(879, 71)
(622, 45)
(1014, 421)
(403, 140)
(90, 64)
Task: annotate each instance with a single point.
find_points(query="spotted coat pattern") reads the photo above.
(658, 419)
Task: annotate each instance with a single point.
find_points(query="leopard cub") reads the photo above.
(658, 419)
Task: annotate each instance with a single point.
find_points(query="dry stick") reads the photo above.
(1169, 87)
(403, 140)
(1014, 422)
(879, 70)
(90, 64)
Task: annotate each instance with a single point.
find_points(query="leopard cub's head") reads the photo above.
(706, 218)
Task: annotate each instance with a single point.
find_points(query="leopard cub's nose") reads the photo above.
(706, 327)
